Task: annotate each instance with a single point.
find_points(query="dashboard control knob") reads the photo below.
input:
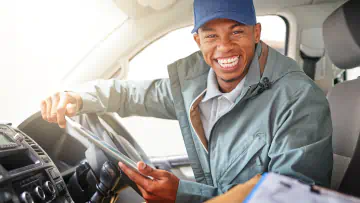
(49, 188)
(39, 193)
(26, 197)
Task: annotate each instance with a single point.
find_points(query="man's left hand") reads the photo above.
(162, 188)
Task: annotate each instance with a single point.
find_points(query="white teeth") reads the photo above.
(229, 60)
(226, 63)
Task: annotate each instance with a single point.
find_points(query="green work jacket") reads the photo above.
(280, 123)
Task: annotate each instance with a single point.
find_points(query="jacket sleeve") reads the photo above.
(128, 98)
(195, 192)
(301, 146)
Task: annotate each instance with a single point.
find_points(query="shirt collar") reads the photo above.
(213, 89)
(235, 93)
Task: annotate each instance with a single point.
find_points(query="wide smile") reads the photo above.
(228, 63)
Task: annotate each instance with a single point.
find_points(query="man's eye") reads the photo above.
(210, 36)
(238, 32)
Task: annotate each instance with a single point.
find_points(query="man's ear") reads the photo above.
(197, 39)
(257, 32)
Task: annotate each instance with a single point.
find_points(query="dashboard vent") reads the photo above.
(34, 146)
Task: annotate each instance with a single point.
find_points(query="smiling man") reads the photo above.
(243, 109)
(229, 59)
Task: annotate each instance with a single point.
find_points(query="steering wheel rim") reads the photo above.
(125, 141)
(112, 122)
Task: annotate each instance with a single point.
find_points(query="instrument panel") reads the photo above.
(27, 174)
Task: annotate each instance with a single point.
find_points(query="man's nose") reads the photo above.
(225, 45)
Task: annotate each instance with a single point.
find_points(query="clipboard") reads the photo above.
(275, 188)
(105, 147)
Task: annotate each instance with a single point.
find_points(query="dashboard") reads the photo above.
(27, 173)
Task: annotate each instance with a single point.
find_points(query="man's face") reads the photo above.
(228, 47)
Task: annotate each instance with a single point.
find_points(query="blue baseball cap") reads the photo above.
(242, 11)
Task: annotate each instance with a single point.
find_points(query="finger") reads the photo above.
(71, 106)
(147, 195)
(71, 110)
(48, 109)
(64, 100)
(43, 109)
(55, 101)
(139, 179)
(149, 171)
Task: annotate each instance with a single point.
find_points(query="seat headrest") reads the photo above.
(341, 32)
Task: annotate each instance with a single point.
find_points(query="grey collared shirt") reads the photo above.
(215, 103)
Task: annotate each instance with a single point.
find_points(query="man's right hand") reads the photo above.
(54, 108)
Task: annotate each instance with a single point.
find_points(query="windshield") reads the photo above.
(42, 41)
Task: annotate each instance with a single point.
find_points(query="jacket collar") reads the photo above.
(273, 71)
(212, 88)
(253, 75)
(193, 71)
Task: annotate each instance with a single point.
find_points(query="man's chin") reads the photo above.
(231, 77)
(230, 80)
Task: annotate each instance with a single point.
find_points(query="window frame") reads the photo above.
(287, 33)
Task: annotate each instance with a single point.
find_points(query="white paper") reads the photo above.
(281, 189)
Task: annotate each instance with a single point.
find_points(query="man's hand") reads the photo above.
(54, 108)
(162, 188)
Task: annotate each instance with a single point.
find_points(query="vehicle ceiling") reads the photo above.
(139, 8)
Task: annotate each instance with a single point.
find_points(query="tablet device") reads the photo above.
(105, 147)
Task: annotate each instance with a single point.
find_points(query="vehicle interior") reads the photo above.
(50, 47)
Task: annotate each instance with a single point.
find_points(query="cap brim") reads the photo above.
(226, 15)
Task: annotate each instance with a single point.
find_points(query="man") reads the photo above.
(238, 116)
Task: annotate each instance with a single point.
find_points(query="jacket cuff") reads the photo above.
(90, 104)
(194, 192)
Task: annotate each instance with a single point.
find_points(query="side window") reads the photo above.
(163, 137)
(151, 63)
(274, 32)
(159, 137)
(352, 74)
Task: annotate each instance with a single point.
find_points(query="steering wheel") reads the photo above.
(110, 129)
(55, 145)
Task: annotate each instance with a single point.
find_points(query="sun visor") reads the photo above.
(312, 43)
(341, 33)
(136, 9)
